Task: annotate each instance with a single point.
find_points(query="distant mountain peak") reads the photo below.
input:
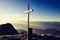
(7, 29)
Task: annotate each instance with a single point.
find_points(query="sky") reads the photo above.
(13, 11)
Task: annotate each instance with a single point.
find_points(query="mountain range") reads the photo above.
(46, 31)
(42, 31)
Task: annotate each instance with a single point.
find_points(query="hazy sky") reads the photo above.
(44, 10)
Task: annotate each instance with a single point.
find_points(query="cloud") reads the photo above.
(38, 25)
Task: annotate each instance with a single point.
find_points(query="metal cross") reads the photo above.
(28, 12)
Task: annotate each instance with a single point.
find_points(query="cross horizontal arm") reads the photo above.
(29, 11)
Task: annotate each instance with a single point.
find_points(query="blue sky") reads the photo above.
(12, 11)
(44, 10)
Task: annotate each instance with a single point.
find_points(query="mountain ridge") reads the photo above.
(7, 29)
(46, 31)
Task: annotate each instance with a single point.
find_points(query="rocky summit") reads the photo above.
(7, 29)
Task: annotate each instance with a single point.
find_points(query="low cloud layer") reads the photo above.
(38, 25)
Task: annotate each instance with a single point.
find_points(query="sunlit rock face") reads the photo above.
(7, 29)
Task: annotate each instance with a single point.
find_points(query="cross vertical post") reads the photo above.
(28, 23)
